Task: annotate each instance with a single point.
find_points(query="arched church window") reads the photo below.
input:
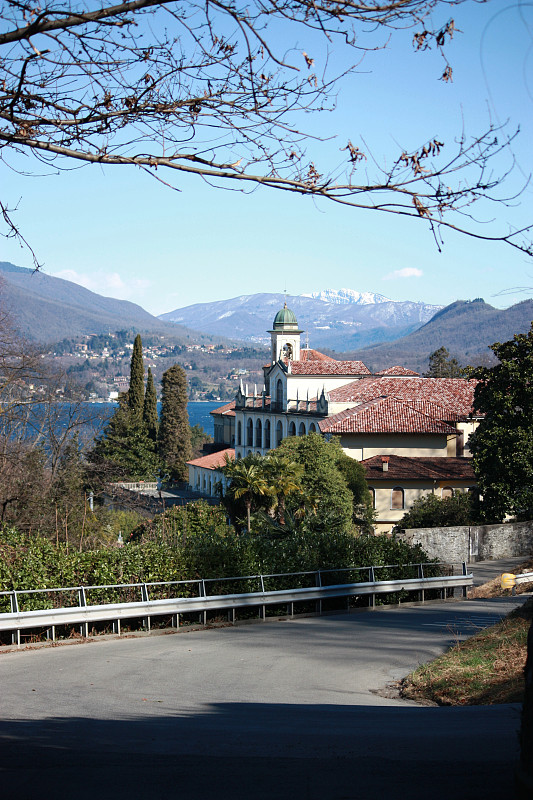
(279, 395)
(292, 429)
(301, 429)
(258, 433)
(267, 435)
(249, 433)
(312, 428)
(239, 433)
(279, 433)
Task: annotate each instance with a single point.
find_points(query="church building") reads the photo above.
(410, 433)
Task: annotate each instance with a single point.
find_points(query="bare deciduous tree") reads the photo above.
(211, 89)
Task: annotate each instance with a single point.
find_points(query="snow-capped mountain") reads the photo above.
(343, 296)
(343, 326)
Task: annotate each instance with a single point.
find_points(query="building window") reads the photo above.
(312, 428)
(460, 444)
(279, 433)
(301, 429)
(258, 434)
(373, 496)
(267, 434)
(292, 429)
(249, 433)
(447, 492)
(397, 498)
(239, 433)
(279, 395)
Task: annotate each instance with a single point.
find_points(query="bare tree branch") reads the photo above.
(200, 88)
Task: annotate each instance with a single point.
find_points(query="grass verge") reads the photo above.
(488, 668)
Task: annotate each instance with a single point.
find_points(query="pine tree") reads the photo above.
(136, 390)
(442, 366)
(174, 431)
(124, 451)
(150, 417)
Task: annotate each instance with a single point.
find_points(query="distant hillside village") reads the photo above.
(98, 365)
(410, 432)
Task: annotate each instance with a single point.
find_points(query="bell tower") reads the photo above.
(285, 336)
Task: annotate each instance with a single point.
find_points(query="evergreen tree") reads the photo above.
(442, 366)
(502, 445)
(322, 479)
(136, 390)
(150, 417)
(124, 451)
(174, 431)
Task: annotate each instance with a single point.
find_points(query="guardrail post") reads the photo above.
(318, 582)
(176, 621)
(203, 614)
(465, 572)
(82, 600)
(262, 608)
(13, 599)
(421, 575)
(144, 598)
(372, 579)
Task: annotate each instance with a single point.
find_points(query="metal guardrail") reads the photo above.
(84, 614)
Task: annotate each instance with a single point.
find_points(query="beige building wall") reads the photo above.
(366, 445)
(388, 517)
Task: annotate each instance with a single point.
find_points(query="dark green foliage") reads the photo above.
(136, 390)
(124, 451)
(322, 479)
(441, 365)
(188, 543)
(150, 416)
(502, 445)
(353, 472)
(174, 430)
(432, 512)
(198, 438)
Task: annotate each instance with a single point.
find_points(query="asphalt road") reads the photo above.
(276, 711)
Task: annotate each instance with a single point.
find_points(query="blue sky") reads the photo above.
(120, 233)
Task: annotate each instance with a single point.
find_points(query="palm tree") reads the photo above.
(284, 477)
(246, 483)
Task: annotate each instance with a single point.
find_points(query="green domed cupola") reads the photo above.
(285, 318)
(285, 336)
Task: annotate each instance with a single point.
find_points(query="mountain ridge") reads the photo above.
(466, 328)
(47, 309)
(334, 325)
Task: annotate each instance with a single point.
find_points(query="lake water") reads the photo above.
(97, 414)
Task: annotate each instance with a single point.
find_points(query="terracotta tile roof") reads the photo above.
(329, 367)
(454, 394)
(419, 468)
(307, 354)
(384, 415)
(213, 460)
(398, 371)
(225, 411)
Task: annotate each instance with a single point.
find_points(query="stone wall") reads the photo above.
(475, 542)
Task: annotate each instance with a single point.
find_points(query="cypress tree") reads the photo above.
(136, 390)
(150, 417)
(174, 431)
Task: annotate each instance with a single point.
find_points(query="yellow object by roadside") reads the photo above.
(508, 580)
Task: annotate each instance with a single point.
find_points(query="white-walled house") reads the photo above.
(421, 425)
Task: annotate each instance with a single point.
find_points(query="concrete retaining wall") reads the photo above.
(474, 543)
